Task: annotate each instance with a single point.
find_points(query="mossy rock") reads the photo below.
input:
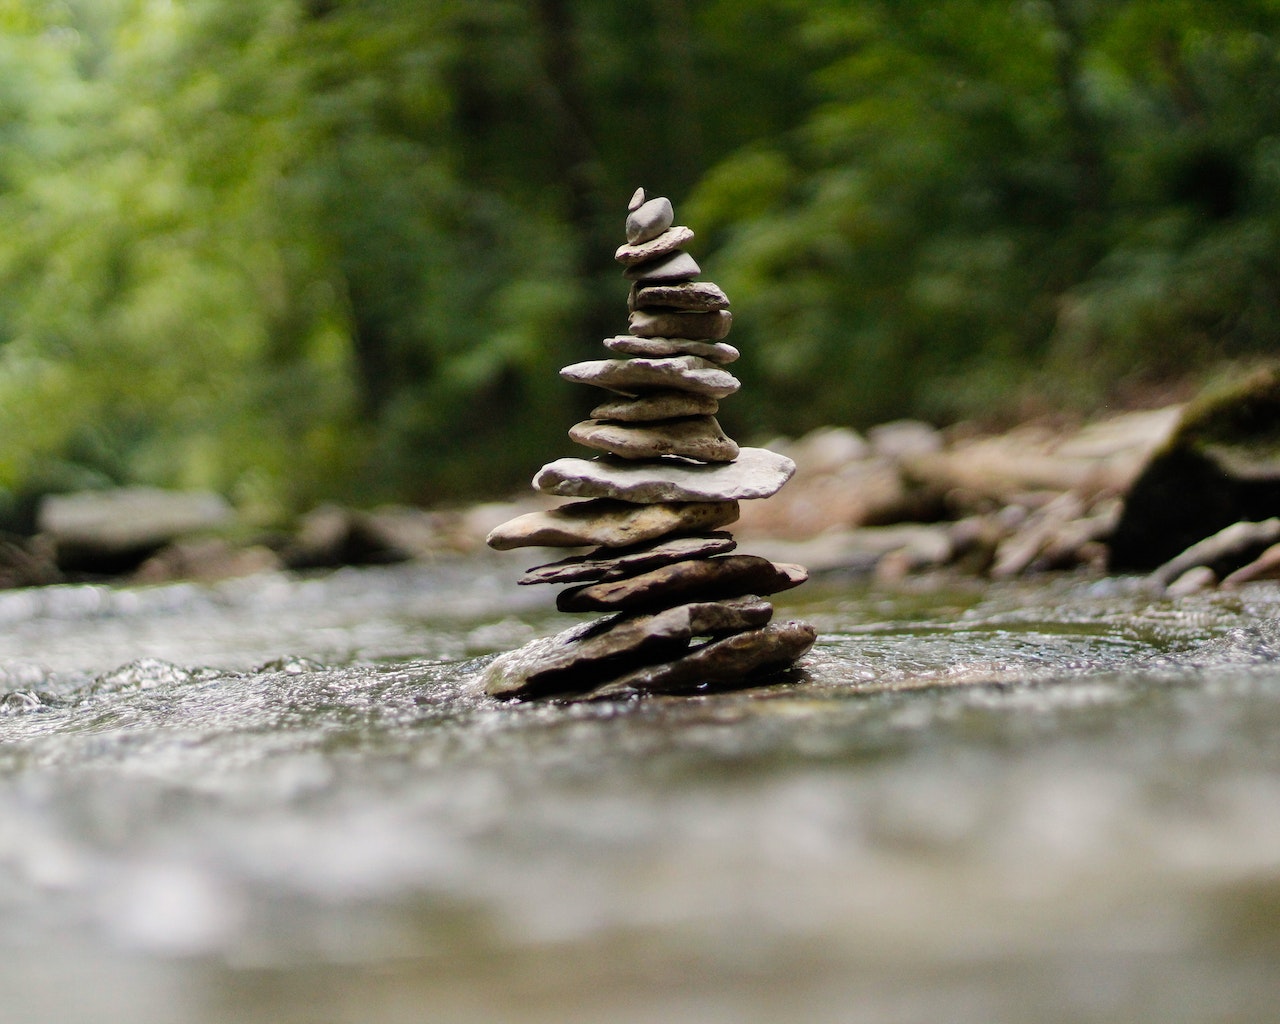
(1221, 466)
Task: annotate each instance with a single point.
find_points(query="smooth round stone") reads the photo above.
(669, 241)
(615, 563)
(744, 659)
(757, 473)
(611, 524)
(636, 376)
(649, 220)
(709, 326)
(637, 200)
(692, 295)
(700, 579)
(579, 658)
(658, 405)
(629, 345)
(696, 437)
(676, 266)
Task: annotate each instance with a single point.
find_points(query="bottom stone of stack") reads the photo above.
(625, 654)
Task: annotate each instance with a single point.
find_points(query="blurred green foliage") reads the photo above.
(306, 249)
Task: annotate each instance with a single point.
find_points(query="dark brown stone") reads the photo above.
(712, 325)
(743, 659)
(581, 657)
(617, 563)
(699, 579)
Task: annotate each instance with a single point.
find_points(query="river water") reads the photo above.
(282, 800)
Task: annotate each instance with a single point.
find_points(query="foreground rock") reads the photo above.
(611, 647)
(744, 659)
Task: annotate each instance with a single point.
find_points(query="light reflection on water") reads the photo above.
(283, 800)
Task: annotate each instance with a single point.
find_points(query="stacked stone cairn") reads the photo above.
(685, 615)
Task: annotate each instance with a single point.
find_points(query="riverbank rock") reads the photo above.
(1220, 466)
(113, 531)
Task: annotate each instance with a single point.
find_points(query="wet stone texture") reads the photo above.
(668, 479)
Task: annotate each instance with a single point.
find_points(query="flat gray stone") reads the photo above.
(637, 200)
(614, 563)
(692, 295)
(757, 473)
(667, 242)
(695, 437)
(658, 405)
(612, 524)
(719, 352)
(676, 266)
(648, 220)
(636, 376)
(583, 656)
(126, 519)
(743, 659)
(710, 326)
(697, 579)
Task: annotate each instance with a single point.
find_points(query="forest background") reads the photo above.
(305, 250)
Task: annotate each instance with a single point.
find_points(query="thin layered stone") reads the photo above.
(756, 473)
(698, 296)
(742, 659)
(636, 376)
(608, 564)
(648, 220)
(698, 579)
(657, 405)
(610, 524)
(676, 266)
(669, 241)
(697, 437)
(575, 659)
(719, 352)
(710, 326)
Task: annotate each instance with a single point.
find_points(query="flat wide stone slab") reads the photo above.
(580, 658)
(668, 241)
(636, 376)
(695, 437)
(657, 405)
(744, 659)
(694, 295)
(712, 325)
(610, 524)
(699, 579)
(757, 473)
(609, 564)
(716, 351)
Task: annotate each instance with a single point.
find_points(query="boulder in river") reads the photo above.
(1221, 466)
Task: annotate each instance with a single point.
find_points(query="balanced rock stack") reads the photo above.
(687, 615)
